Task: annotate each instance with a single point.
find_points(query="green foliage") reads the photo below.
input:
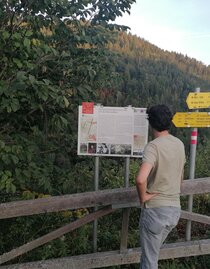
(33, 227)
(202, 158)
(53, 57)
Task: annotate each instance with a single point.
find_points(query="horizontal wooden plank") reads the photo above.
(65, 202)
(112, 197)
(111, 258)
(196, 186)
(195, 217)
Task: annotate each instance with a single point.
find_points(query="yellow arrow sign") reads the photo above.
(198, 100)
(191, 119)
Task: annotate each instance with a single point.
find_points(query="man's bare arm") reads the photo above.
(141, 183)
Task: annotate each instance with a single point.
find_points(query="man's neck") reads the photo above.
(158, 134)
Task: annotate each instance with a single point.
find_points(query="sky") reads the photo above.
(182, 26)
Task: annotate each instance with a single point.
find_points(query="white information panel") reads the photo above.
(112, 131)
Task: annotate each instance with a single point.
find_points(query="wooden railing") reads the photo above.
(107, 201)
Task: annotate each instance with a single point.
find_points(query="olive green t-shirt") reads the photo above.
(167, 155)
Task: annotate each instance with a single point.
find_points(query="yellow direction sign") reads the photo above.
(198, 100)
(192, 119)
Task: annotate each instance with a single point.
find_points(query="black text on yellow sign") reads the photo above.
(192, 119)
(198, 100)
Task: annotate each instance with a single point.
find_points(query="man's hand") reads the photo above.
(147, 196)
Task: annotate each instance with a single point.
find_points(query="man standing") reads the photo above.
(158, 185)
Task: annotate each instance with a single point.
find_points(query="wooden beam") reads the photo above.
(114, 197)
(111, 258)
(195, 186)
(195, 217)
(66, 202)
(53, 235)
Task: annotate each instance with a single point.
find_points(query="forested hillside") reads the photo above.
(55, 55)
(154, 75)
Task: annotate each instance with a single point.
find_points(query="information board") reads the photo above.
(112, 131)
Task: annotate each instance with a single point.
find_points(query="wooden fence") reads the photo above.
(107, 201)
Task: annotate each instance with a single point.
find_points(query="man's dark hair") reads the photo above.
(160, 117)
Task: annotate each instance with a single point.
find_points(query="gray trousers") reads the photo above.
(155, 225)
